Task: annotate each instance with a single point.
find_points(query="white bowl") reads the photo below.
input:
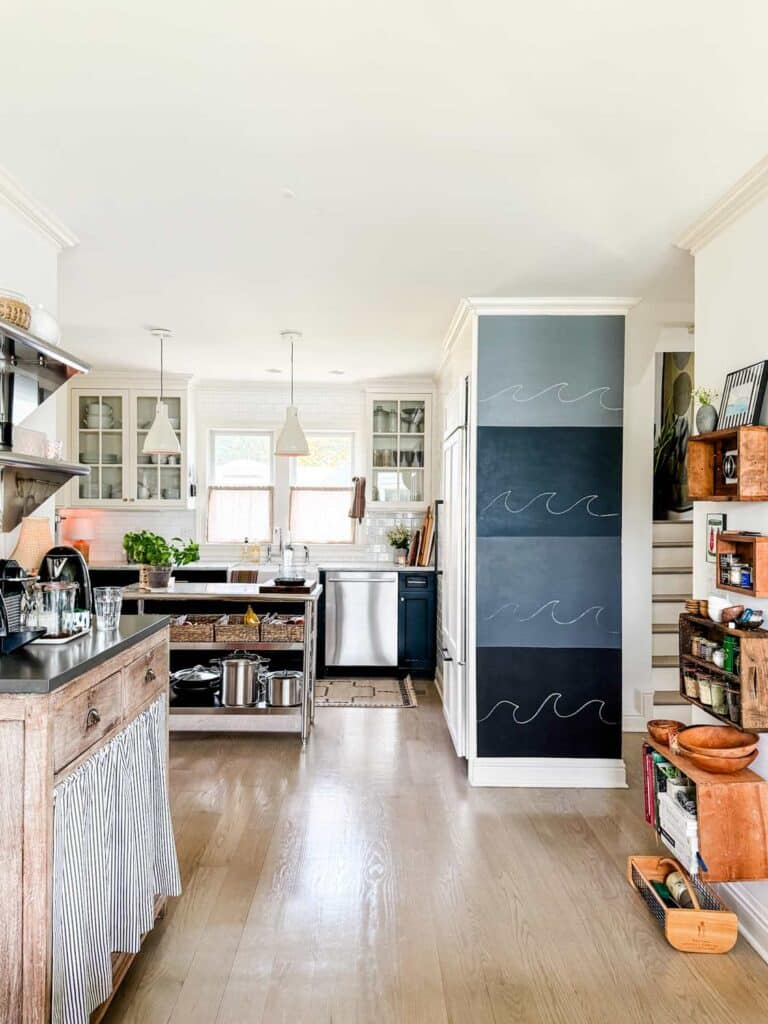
(716, 606)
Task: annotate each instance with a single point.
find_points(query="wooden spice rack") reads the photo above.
(706, 452)
(732, 812)
(752, 679)
(753, 551)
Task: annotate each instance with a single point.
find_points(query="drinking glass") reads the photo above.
(107, 601)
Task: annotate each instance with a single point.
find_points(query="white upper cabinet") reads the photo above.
(400, 450)
(108, 427)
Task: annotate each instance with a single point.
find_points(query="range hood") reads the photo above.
(30, 372)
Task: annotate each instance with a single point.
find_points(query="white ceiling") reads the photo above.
(436, 150)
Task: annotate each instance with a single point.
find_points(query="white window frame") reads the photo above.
(210, 481)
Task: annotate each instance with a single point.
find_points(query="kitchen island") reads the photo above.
(184, 597)
(74, 721)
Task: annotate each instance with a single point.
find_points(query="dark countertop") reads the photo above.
(40, 668)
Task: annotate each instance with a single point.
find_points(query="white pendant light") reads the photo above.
(161, 439)
(291, 440)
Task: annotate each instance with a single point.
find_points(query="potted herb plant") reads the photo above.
(157, 556)
(399, 537)
(706, 415)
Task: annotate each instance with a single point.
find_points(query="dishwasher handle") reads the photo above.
(361, 577)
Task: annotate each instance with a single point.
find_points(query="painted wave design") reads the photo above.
(596, 610)
(553, 699)
(587, 500)
(558, 389)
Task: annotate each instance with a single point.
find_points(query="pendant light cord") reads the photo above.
(291, 371)
(162, 339)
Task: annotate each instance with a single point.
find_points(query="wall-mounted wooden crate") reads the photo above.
(706, 452)
(754, 551)
(751, 681)
(732, 813)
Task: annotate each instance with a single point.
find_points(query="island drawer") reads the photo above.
(145, 677)
(86, 718)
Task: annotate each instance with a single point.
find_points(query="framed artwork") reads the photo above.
(743, 396)
(716, 523)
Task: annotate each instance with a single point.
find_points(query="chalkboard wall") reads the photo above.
(549, 454)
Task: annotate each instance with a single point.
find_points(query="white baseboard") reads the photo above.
(544, 772)
(752, 914)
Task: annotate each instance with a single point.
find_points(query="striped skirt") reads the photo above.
(113, 852)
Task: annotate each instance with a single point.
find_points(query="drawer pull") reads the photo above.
(150, 675)
(92, 718)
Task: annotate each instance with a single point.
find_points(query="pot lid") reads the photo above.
(196, 674)
(286, 673)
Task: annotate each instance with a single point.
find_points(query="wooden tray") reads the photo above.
(284, 588)
(706, 928)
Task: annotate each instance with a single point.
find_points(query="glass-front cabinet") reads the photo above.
(399, 450)
(109, 428)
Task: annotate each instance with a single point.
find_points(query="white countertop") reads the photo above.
(272, 567)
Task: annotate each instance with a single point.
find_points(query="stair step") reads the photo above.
(665, 627)
(663, 570)
(673, 544)
(665, 661)
(669, 697)
(672, 598)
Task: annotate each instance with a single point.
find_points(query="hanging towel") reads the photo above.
(113, 853)
(358, 499)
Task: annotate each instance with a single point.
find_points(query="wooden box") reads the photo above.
(707, 928)
(706, 453)
(754, 551)
(751, 681)
(732, 813)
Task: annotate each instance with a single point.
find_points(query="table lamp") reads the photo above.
(82, 531)
(35, 539)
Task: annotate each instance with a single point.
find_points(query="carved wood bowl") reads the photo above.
(663, 729)
(717, 741)
(721, 765)
(732, 613)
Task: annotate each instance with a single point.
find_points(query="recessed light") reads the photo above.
(287, 193)
(337, 373)
(273, 370)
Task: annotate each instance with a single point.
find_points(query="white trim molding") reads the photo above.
(548, 772)
(747, 191)
(49, 226)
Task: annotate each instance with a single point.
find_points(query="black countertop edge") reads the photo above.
(44, 668)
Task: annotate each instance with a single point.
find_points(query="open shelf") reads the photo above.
(751, 549)
(235, 645)
(710, 666)
(706, 455)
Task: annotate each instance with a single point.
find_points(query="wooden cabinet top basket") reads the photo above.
(707, 461)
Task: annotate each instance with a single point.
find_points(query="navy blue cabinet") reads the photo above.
(416, 621)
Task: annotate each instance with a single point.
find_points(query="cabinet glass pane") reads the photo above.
(88, 447)
(384, 450)
(111, 483)
(89, 485)
(385, 485)
(412, 450)
(170, 483)
(385, 418)
(412, 485)
(411, 417)
(147, 483)
(145, 412)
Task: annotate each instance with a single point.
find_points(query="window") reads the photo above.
(240, 494)
(321, 494)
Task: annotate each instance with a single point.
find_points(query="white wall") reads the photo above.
(651, 328)
(731, 333)
(29, 264)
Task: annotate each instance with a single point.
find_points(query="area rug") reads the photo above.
(365, 693)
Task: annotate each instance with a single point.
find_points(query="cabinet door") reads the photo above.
(416, 629)
(399, 450)
(100, 440)
(158, 480)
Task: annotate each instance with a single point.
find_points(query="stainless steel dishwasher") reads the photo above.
(361, 619)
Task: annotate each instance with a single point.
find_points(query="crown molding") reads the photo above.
(747, 191)
(577, 305)
(48, 225)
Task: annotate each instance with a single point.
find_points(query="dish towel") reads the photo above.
(113, 852)
(358, 499)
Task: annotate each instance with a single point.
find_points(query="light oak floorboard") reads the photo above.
(364, 882)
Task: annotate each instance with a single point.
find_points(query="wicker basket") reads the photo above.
(283, 629)
(708, 927)
(233, 628)
(193, 629)
(14, 311)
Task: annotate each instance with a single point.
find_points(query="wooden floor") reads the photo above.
(365, 883)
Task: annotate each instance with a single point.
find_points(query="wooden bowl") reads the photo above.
(662, 729)
(717, 740)
(721, 765)
(732, 613)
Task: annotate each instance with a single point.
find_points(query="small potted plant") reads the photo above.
(706, 415)
(157, 557)
(399, 538)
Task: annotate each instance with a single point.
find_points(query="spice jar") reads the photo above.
(691, 683)
(733, 699)
(719, 703)
(705, 688)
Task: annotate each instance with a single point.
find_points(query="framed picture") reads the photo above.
(743, 396)
(716, 523)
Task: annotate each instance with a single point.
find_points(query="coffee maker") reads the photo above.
(63, 564)
(14, 594)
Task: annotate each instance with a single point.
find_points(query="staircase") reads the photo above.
(672, 586)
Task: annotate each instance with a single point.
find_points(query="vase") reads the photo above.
(399, 557)
(159, 576)
(706, 419)
(44, 326)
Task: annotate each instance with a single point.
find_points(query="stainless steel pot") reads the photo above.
(240, 684)
(284, 688)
